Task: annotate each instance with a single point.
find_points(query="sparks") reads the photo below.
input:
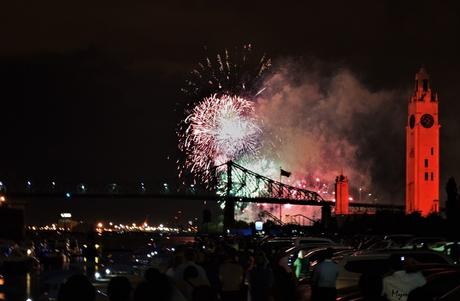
(233, 72)
(219, 129)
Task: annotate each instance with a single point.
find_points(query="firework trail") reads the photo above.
(219, 129)
(234, 73)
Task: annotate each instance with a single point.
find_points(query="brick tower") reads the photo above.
(422, 148)
(341, 195)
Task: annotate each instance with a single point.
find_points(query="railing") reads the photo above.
(301, 220)
(270, 216)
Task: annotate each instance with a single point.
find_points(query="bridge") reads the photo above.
(248, 186)
(232, 184)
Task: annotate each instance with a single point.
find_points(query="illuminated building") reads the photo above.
(422, 148)
(66, 222)
(341, 195)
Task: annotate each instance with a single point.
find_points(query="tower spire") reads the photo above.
(422, 81)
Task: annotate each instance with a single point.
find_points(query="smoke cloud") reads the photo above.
(323, 123)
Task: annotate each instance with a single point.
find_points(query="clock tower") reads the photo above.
(422, 148)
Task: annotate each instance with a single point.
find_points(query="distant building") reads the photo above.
(341, 195)
(65, 221)
(422, 148)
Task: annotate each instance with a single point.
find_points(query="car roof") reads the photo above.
(387, 253)
(396, 251)
(307, 238)
(429, 238)
(316, 247)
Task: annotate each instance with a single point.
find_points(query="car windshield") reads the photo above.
(438, 285)
(313, 241)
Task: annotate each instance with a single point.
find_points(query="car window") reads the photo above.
(368, 266)
(313, 258)
(428, 258)
(453, 295)
(310, 241)
(379, 245)
(438, 285)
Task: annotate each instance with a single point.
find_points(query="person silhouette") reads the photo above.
(77, 288)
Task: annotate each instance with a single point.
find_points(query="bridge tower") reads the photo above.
(341, 195)
(422, 148)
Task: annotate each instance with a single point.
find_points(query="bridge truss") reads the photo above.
(240, 182)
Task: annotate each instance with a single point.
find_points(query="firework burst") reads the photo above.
(233, 73)
(219, 129)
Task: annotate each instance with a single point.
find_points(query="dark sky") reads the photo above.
(90, 90)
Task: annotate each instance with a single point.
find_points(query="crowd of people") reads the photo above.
(207, 271)
(213, 271)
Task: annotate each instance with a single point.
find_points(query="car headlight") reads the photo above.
(107, 271)
(97, 275)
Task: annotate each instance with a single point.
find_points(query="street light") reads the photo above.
(142, 187)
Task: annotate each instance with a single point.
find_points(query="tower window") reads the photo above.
(426, 176)
(425, 85)
(426, 162)
(432, 151)
(432, 176)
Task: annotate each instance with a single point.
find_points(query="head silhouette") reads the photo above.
(77, 288)
(119, 289)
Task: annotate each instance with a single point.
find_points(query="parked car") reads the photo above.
(304, 241)
(313, 254)
(379, 262)
(443, 283)
(423, 242)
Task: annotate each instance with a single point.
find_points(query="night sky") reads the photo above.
(90, 90)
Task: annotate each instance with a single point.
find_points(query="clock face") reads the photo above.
(427, 120)
(412, 121)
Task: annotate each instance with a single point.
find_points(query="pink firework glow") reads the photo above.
(219, 129)
(303, 127)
